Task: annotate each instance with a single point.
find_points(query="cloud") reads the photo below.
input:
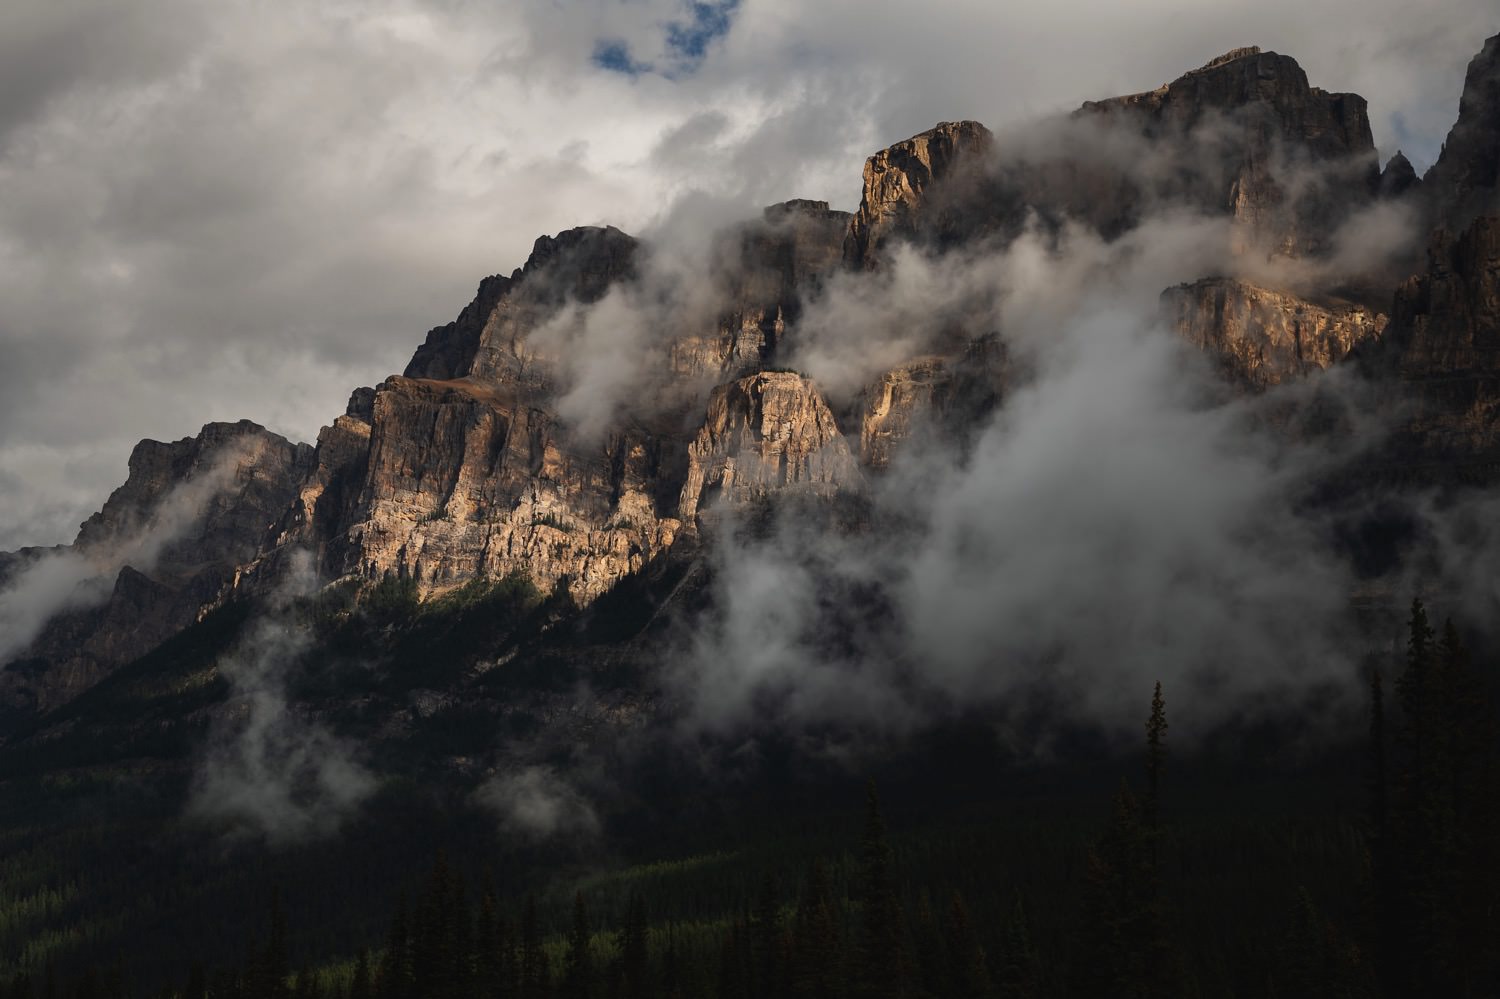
(83, 575)
(1121, 520)
(270, 769)
(536, 803)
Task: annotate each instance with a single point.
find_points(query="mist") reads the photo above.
(270, 769)
(83, 575)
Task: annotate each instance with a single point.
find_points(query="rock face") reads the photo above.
(1284, 159)
(938, 396)
(768, 268)
(765, 433)
(1262, 337)
(1444, 346)
(1464, 183)
(171, 540)
(447, 480)
(489, 339)
(904, 196)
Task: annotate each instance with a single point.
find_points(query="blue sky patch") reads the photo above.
(686, 41)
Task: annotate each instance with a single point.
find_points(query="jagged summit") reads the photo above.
(1464, 182)
(1227, 57)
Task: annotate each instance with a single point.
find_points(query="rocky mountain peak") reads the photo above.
(575, 265)
(1464, 183)
(897, 202)
(1398, 177)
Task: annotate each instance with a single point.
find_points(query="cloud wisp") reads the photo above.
(269, 769)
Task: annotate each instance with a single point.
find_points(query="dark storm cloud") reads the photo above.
(209, 212)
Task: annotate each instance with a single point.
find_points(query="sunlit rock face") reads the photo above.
(766, 433)
(1261, 337)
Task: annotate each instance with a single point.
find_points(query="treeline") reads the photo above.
(1426, 922)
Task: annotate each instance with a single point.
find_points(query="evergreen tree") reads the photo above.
(1018, 977)
(817, 951)
(634, 955)
(489, 961)
(881, 973)
(535, 977)
(968, 973)
(765, 941)
(1156, 733)
(578, 980)
(930, 962)
(395, 963)
(360, 985)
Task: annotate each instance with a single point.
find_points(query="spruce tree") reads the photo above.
(817, 951)
(578, 975)
(881, 973)
(968, 973)
(535, 976)
(634, 955)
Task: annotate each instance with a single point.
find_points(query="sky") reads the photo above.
(241, 210)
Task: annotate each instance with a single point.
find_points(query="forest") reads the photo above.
(1374, 875)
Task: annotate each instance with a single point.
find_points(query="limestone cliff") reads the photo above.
(167, 543)
(904, 196)
(1284, 159)
(764, 433)
(1261, 337)
(1464, 183)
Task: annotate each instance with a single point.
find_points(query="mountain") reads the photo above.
(471, 463)
(657, 541)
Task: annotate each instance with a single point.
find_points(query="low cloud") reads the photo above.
(536, 803)
(83, 575)
(269, 768)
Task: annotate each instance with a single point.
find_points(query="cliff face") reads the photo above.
(904, 197)
(1464, 183)
(1284, 159)
(765, 433)
(1262, 337)
(166, 544)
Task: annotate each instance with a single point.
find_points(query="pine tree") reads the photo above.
(1156, 733)
(489, 963)
(634, 954)
(1018, 977)
(881, 973)
(765, 941)
(359, 985)
(395, 963)
(535, 976)
(968, 970)
(817, 951)
(578, 980)
(930, 960)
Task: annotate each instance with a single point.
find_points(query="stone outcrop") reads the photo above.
(1287, 161)
(944, 396)
(171, 539)
(447, 480)
(1464, 183)
(490, 338)
(1261, 337)
(768, 268)
(765, 433)
(904, 196)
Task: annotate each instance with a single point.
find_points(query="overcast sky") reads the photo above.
(246, 209)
